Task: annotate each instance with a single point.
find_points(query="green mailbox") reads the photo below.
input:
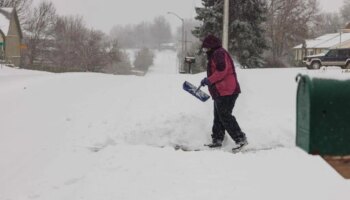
(323, 116)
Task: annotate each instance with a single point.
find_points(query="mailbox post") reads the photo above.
(190, 60)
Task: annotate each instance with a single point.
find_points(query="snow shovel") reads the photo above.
(199, 94)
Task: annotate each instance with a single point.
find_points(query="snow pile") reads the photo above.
(96, 136)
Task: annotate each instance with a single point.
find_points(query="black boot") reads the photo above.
(215, 144)
(240, 143)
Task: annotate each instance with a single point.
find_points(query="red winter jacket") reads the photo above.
(220, 70)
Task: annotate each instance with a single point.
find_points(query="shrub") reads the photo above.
(144, 59)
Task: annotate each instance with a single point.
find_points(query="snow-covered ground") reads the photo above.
(95, 136)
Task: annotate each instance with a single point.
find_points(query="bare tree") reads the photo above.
(78, 48)
(133, 36)
(69, 33)
(117, 61)
(288, 23)
(161, 31)
(326, 23)
(144, 59)
(144, 34)
(124, 35)
(345, 11)
(92, 51)
(39, 30)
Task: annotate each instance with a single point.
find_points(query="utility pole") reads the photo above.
(225, 24)
(183, 48)
(185, 42)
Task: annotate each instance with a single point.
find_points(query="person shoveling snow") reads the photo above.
(224, 88)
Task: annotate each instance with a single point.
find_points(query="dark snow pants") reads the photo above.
(224, 120)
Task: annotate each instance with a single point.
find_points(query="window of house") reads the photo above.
(310, 52)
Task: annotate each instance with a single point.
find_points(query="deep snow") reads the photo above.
(96, 136)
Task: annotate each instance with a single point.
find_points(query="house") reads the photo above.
(322, 44)
(10, 36)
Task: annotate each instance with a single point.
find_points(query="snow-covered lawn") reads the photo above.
(104, 137)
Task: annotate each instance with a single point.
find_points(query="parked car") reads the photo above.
(334, 57)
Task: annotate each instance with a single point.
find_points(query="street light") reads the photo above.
(182, 37)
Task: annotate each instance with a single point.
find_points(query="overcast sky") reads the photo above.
(331, 5)
(103, 14)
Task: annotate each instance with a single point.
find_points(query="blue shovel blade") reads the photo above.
(199, 94)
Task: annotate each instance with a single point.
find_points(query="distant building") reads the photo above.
(322, 44)
(10, 36)
(167, 46)
(347, 27)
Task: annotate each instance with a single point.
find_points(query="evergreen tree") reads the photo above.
(246, 33)
(211, 14)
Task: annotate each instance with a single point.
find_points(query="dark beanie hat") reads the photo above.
(211, 42)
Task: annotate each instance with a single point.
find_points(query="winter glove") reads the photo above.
(205, 82)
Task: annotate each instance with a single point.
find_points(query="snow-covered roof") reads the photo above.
(345, 44)
(5, 17)
(327, 41)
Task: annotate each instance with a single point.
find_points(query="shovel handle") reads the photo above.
(198, 89)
